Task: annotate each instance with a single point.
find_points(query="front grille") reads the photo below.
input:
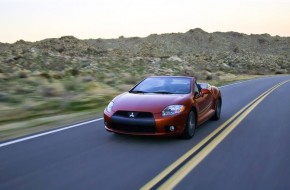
(138, 122)
(136, 114)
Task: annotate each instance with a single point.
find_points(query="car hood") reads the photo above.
(147, 102)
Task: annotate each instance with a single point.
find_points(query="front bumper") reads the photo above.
(157, 125)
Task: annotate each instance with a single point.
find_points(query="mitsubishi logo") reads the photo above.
(132, 115)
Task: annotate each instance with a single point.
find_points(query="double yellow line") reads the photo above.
(173, 174)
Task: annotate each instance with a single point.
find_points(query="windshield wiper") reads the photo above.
(138, 91)
(156, 92)
(162, 92)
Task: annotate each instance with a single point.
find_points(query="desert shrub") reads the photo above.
(58, 47)
(164, 56)
(257, 72)
(72, 85)
(209, 77)
(45, 75)
(236, 49)
(3, 97)
(88, 103)
(131, 80)
(187, 72)
(85, 64)
(101, 76)
(196, 74)
(50, 106)
(110, 81)
(219, 73)
(280, 71)
(210, 39)
(87, 79)
(57, 76)
(262, 40)
(22, 74)
(74, 72)
(52, 90)
(23, 90)
(3, 77)
(92, 86)
(9, 98)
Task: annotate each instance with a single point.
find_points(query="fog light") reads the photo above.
(171, 128)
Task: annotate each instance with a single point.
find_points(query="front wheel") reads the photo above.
(190, 126)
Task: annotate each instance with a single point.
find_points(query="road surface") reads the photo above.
(247, 151)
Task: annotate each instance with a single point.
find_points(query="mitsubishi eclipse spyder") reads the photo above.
(163, 106)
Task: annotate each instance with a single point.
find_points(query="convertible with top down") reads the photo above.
(163, 106)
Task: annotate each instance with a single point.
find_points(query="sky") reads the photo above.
(34, 20)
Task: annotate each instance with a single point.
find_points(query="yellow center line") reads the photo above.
(190, 165)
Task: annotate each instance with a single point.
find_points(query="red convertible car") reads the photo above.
(163, 105)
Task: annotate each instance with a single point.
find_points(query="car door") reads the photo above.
(203, 101)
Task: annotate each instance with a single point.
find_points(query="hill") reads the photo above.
(67, 74)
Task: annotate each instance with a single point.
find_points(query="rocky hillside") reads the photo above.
(67, 73)
(193, 51)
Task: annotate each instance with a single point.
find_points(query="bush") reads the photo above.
(131, 80)
(88, 103)
(23, 90)
(8, 98)
(209, 77)
(4, 97)
(74, 72)
(87, 79)
(262, 41)
(52, 90)
(45, 75)
(22, 74)
(73, 84)
(57, 75)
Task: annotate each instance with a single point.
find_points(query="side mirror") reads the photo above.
(199, 87)
(205, 91)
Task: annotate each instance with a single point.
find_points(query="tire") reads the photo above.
(189, 130)
(218, 109)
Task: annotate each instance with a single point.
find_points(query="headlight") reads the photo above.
(110, 106)
(172, 110)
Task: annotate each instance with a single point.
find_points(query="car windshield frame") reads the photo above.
(164, 85)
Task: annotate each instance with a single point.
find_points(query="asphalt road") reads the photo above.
(254, 155)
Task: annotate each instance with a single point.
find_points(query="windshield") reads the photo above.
(164, 85)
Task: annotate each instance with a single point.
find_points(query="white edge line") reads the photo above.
(242, 81)
(232, 84)
(247, 80)
(47, 133)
